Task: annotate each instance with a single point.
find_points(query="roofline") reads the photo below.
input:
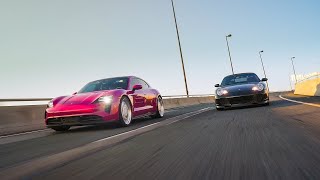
(116, 77)
(242, 73)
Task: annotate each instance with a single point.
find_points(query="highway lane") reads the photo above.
(281, 141)
(23, 148)
(306, 99)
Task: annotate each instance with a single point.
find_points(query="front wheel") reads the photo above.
(125, 112)
(61, 128)
(160, 108)
(219, 109)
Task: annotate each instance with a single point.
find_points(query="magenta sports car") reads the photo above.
(115, 99)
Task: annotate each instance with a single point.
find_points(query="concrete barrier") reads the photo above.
(178, 102)
(309, 87)
(16, 119)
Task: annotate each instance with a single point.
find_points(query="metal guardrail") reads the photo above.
(26, 99)
(185, 96)
(43, 101)
(48, 99)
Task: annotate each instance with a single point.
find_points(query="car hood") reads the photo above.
(240, 89)
(83, 98)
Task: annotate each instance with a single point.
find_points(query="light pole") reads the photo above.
(294, 71)
(229, 52)
(264, 71)
(181, 56)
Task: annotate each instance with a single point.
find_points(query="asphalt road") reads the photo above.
(280, 141)
(307, 99)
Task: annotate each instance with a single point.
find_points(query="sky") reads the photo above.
(53, 48)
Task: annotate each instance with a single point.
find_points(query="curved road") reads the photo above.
(280, 141)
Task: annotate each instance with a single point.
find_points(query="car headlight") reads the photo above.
(258, 87)
(50, 104)
(105, 99)
(221, 92)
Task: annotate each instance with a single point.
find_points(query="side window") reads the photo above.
(133, 82)
(146, 84)
(143, 83)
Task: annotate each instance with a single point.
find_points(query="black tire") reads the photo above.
(219, 109)
(61, 128)
(159, 114)
(267, 104)
(123, 122)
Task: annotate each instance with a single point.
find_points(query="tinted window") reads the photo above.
(134, 81)
(144, 84)
(105, 84)
(240, 79)
(141, 82)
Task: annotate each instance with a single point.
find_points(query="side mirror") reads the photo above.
(264, 79)
(136, 87)
(74, 93)
(217, 85)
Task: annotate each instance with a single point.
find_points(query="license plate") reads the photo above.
(70, 120)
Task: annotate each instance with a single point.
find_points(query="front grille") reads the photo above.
(241, 100)
(256, 98)
(241, 93)
(75, 120)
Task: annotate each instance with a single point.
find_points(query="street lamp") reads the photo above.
(294, 71)
(181, 56)
(264, 71)
(229, 52)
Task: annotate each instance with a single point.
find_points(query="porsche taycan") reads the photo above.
(114, 99)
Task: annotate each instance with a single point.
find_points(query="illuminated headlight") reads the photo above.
(50, 104)
(258, 87)
(105, 99)
(221, 92)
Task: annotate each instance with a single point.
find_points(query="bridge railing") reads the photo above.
(43, 101)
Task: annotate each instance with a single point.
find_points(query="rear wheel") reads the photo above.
(160, 108)
(125, 112)
(61, 128)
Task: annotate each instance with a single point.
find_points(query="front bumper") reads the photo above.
(244, 100)
(80, 115)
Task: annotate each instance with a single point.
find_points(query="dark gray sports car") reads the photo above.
(241, 90)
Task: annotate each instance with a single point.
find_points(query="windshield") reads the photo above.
(240, 79)
(105, 84)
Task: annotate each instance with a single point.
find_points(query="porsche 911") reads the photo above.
(241, 90)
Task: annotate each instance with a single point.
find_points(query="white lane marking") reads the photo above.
(299, 102)
(49, 162)
(24, 133)
(175, 119)
(127, 132)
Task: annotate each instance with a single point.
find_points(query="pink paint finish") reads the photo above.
(143, 100)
